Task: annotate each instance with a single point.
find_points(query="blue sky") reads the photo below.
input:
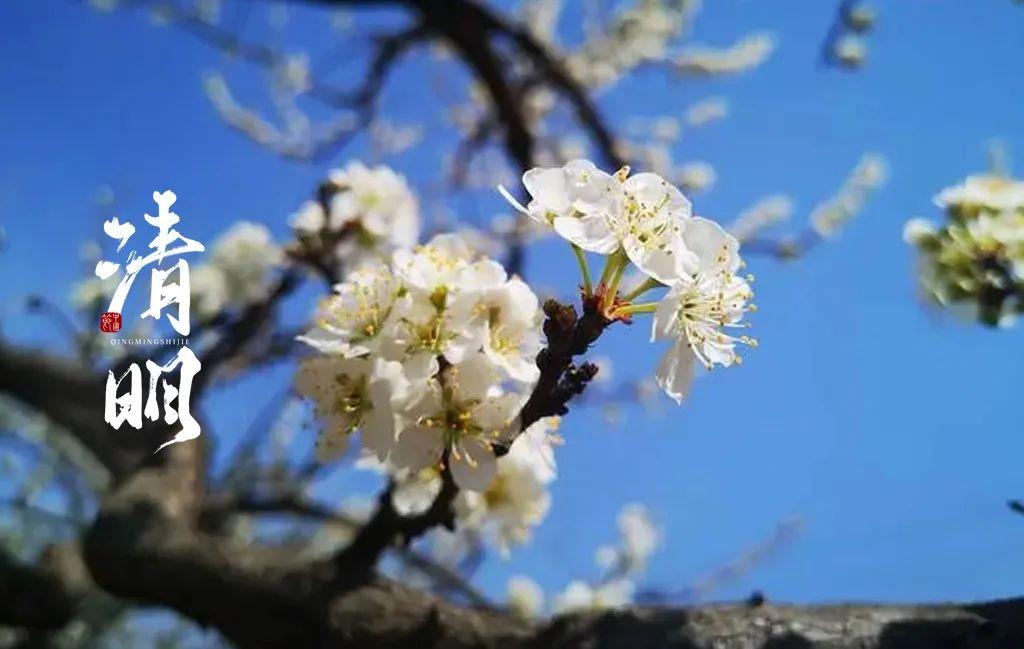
(892, 431)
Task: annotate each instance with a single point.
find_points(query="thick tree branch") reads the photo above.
(72, 397)
(43, 596)
(387, 526)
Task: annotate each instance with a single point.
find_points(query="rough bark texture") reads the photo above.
(146, 545)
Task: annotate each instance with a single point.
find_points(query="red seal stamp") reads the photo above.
(110, 322)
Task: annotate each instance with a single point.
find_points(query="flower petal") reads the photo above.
(548, 187)
(667, 265)
(417, 448)
(675, 371)
(713, 245)
(654, 192)
(474, 466)
(667, 314)
(591, 232)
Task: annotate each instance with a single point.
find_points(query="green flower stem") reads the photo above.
(632, 309)
(615, 262)
(581, 259)
(609, 267)
(613, 283)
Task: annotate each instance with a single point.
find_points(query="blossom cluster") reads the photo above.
(975, 261)
(430, 356)
(645, 221)
(363, 215)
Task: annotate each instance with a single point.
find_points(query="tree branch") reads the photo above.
(44, 596)
(72, 397)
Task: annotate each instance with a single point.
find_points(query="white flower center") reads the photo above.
(713, 304)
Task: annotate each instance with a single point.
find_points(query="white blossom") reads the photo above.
(245, 255)
(640, 536)
(830, 215)
(309, 219)
(415, 492)
(517, 500)
(706, 111)
(762, 214)
(916, 230)
(850, 50)
(988, 192)
(651, 225)
(698, 310)
(379, 200)
(92, 292)
(239, 272)
(974, 263)
(461, 413)
(505, 321)
(209, 288)
(457, 339)
(580, 596)
(747, 53)
(642, 215)
(697, 176)
(525, 596)
(352, 322)
(578, 200)
(350, 394)
(370, 213)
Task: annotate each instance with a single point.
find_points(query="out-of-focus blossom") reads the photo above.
(829, 216)
(850, 50)
(762, 214)
(706, 111)
(974, 264)
(697, 176)
(525, 596)
(749, 52)
(517, 500)
(580, 596)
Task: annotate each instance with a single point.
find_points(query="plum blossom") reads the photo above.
(352, 393)
(452, 341)
(525, 596)
(974, 263)
(353, 321)
(699, 308)
(578, 200)
(517, 500)
(362, 215)
(639, 538)
(378, 200)
(514, 503)
(507, 316)
(642, 215)
(645, 221)
(239, 273)
(246, 254)
(983, 192)
(462, 412)
(581, 596)
(651, 227)
(445, 280)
